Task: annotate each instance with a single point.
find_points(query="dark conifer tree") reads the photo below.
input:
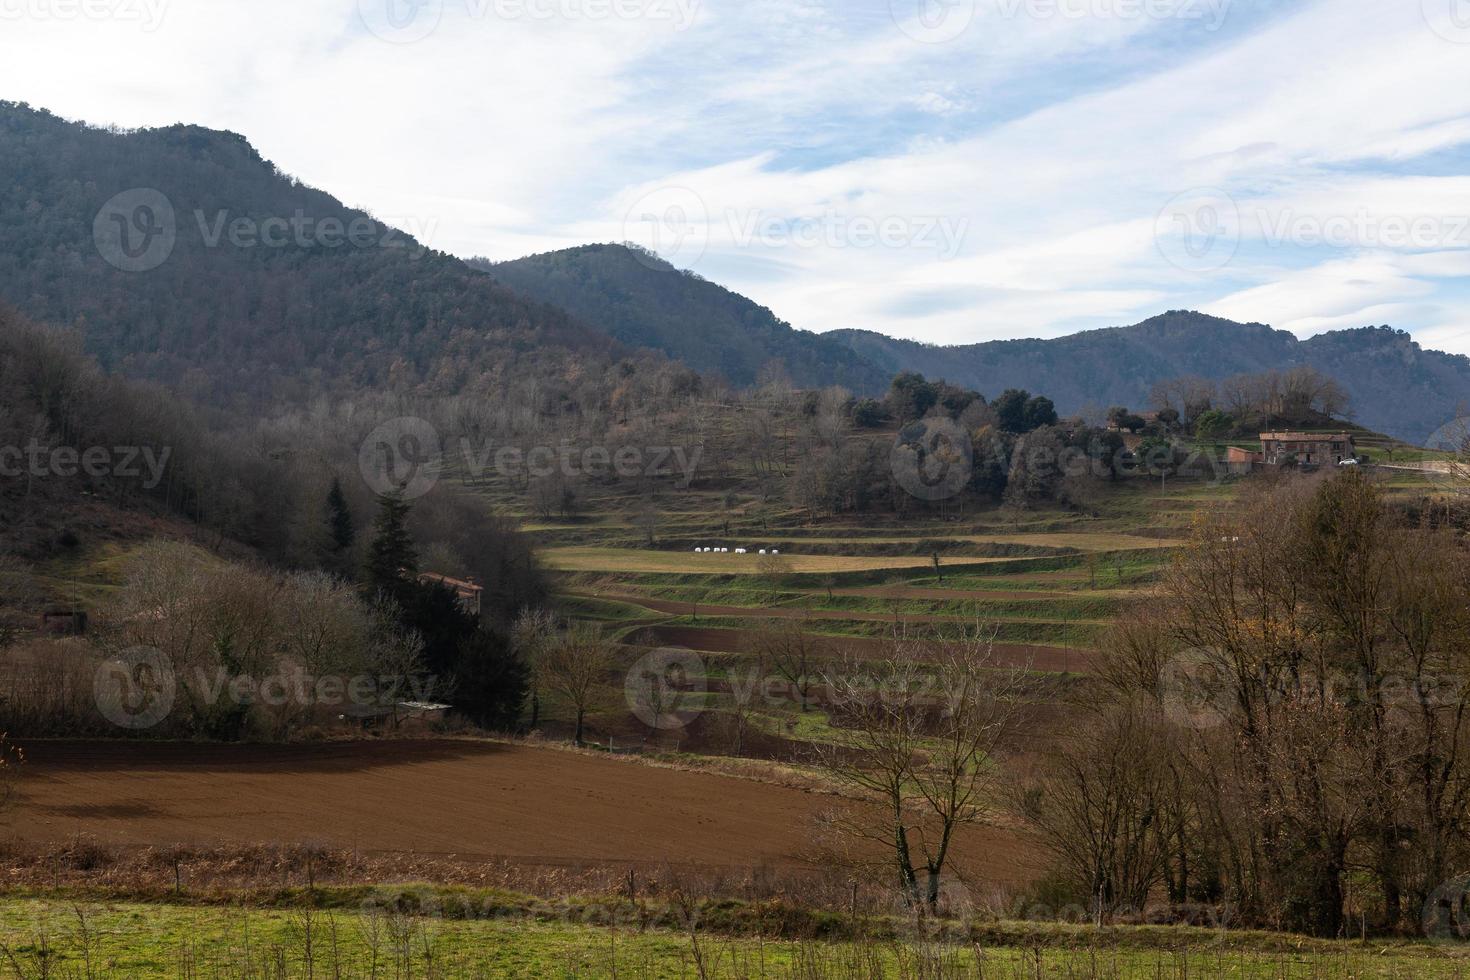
(392, 562)
(339, 519)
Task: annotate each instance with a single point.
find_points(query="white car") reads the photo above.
(1347, 462)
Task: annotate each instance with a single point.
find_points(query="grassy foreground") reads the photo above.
(43, 937)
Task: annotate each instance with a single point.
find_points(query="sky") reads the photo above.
(950, 171)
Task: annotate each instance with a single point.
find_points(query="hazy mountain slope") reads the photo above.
(1396, 386)
(645, 302)
(265, 292)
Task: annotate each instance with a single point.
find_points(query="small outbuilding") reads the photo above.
(61, 621)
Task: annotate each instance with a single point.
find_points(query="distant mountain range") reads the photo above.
(642, 301)
(248, 305)
(1396, 386)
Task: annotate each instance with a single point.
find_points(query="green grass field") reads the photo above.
(88, 938)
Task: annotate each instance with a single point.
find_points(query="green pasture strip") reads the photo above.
(1044, 633)
(357, 932)
(736, 633)
(920, 575)
(1095, 607)
(606, 610)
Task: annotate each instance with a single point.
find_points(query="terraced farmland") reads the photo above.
(1044, 585)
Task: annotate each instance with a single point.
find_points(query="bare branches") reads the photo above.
(917, 734)
(574, 668)
(1306, 661)
(791, 651)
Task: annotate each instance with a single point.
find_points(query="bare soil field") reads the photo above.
(469, 799)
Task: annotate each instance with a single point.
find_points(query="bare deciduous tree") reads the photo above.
(11, 757)
(747, 682)
(918, 733)
(531, 635)
(792, 652)
(1095, 802)
(574, 668)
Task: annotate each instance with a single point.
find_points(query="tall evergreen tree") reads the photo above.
(490, 682)
(340, 528)
(392, 561)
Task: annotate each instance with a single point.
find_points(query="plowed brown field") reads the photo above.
(474, 800)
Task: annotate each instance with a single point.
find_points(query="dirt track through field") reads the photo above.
(475, 800)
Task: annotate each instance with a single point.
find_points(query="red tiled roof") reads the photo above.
(452, 583)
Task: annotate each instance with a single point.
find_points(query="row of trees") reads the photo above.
(911, 397)
(1251, 401)
(1284, 728)
(214, 622)
(1063, 463)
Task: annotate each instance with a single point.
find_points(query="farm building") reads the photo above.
(1242, 460)
(61, 621)
(468, 592)
(1307, 448)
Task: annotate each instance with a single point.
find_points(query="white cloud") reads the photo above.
(1341, 292)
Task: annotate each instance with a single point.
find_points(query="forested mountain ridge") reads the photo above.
(1396, 386)
(643, 301)
(267, 290)
(243, 308)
